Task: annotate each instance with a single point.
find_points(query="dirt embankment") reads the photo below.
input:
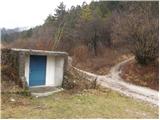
(147, 76)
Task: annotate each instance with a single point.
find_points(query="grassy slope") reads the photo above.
(141, 75)
(103, 62)
(86, 104)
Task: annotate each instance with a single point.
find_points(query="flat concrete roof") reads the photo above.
(41, 52)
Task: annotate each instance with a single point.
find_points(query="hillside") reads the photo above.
(112, 70)
(97, 35)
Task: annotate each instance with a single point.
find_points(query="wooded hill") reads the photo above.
(92, 29)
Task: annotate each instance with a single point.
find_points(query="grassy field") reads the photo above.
(91, 103)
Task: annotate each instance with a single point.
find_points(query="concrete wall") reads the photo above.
(59, 65)
(50, 71)
(54, 70)
(27, 60)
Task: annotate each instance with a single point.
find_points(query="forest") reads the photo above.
(90, 28)
(95, 30)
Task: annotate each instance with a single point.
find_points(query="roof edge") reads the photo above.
(39, 51)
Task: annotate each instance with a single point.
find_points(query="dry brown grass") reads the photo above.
(80, 53)
(102, 63)
(141, 75)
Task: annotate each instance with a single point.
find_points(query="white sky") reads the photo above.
(29, 13)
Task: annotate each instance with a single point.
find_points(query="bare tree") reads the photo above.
(140, 28)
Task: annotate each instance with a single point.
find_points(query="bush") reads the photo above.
(139, 27)
(9, 67)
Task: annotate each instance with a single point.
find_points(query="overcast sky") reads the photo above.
(29, 13)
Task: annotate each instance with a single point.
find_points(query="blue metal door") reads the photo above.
(37, 70)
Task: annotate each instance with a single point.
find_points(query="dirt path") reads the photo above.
(115, 82)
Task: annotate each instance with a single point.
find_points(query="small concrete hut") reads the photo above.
(40, 68)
